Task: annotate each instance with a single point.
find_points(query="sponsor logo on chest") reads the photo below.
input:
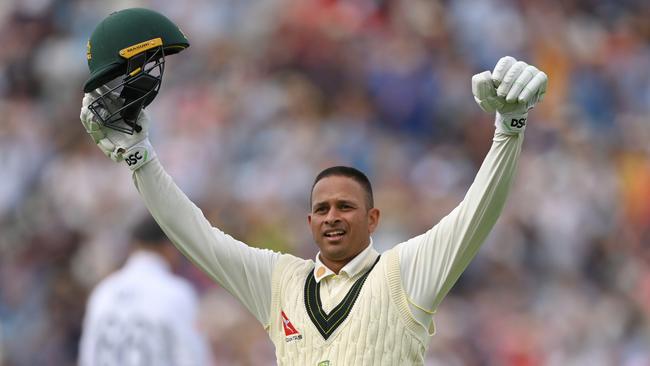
(290, 332)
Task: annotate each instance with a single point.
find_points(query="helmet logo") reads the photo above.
(89, 55)
(131, 51)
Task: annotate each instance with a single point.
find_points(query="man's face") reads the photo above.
(340, 220)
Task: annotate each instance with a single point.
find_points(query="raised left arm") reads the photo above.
(431, 263)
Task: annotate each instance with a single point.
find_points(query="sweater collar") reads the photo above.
(358, 264)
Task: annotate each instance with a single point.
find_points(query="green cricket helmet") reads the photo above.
(126, 55)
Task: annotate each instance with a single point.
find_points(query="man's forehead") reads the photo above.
(337, 187)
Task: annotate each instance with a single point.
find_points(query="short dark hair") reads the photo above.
(148, 232)
(349, 172)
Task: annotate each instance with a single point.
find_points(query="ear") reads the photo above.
(373, 219)
(309, 219)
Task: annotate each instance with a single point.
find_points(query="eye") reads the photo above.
(320, 210)
(346, 207)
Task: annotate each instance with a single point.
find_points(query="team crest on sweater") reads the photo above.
(290, 332)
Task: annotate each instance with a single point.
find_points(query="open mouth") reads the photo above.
(334, 234)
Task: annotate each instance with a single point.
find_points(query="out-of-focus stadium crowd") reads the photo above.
(271, 92)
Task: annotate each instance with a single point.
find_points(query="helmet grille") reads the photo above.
(136, 90)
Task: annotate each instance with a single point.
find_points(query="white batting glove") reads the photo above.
(135, 150)
(512, 89)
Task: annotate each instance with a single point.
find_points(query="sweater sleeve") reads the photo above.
(431, 263)
(242, 270)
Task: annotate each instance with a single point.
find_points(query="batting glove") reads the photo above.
(135, 149)
(512, 89)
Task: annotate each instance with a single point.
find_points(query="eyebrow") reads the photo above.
(348, 202)
(338, 201)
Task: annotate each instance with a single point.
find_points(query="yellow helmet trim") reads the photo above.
(89, 55)
(131, 51)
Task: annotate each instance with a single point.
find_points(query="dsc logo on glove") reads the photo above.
(133, 158)
(518, 123)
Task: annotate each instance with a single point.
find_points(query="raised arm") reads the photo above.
(243, 271)
(431, 263)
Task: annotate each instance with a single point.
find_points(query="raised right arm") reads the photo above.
(244, 271)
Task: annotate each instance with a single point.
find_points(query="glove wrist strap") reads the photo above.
(139, 154)
(511, 123)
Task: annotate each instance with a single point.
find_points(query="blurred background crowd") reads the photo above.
(271, 92)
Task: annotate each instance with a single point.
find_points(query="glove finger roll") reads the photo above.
(537, 86)
(501, 68)
(88, 98)
(512, 75)
(95, 132)
(482, 85)
(106, 146)
(519, 84)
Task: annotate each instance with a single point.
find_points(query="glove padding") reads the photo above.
(512, 89)
(135, 150)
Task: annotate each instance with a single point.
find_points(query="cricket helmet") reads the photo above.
(126, 52)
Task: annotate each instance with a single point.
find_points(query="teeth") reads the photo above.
(334, 233)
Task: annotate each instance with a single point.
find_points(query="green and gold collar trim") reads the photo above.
(327, 323)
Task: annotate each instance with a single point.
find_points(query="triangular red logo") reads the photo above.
(289, 329)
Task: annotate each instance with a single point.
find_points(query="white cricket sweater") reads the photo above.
(373, 328)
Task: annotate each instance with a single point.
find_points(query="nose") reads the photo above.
(332, 217)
